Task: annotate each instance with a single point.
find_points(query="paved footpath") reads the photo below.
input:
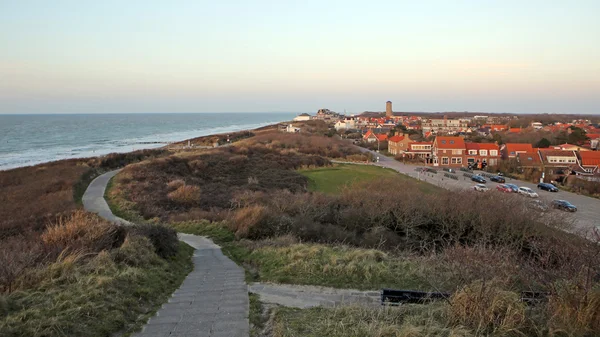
(213, 299)
(300, 296)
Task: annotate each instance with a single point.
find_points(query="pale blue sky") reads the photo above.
(210, 56)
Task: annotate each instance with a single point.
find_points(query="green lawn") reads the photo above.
(333, 179)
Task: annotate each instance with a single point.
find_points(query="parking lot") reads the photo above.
(588, 209)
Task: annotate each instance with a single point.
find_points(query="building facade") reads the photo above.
(448, 151)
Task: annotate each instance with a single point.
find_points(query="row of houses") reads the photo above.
(453, 151)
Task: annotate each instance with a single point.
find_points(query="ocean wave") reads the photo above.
(39, 155)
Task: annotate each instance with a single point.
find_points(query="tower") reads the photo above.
(388, 109)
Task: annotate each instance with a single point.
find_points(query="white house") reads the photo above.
(292, 129)
(302, 117)
(346, 123)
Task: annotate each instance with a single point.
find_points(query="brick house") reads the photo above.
(448, 151)
(488, 153)
(398, 144)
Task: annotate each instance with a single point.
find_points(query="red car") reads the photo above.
(503, 188)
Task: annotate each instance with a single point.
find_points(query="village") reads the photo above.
(535, 150)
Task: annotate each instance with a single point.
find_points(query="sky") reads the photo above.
(298, 56)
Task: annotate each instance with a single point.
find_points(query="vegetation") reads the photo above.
(283, 260)
(334, 179)
(32, 197)
(405, 321)
(85, 277)
(219, 139)
(383, 231)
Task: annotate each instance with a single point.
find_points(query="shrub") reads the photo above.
(243, 221)
(163, 239)
(574, 309)
(487, 309)
(175, 184)
(185, 194)
(83, 231)
(16, 255)
(136, 251)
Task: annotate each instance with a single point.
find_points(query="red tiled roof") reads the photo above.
(445, 142)
(559, 153)
(593, 135)
(529, 158)
(381, 137)
(481, 146)
(590, 158)
(514, 130)
(396, 139)
(518, 147)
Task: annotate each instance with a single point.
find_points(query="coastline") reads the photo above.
(134, 146)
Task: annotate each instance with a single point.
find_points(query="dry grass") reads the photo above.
(406, 321)
(487, 309)
(86, 277)
(32, 196)
(574, 310)
(242, 221)
(185, 194)
(82, 231)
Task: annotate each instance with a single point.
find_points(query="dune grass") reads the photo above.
(333, 179)
(113, 292)
(333, 266)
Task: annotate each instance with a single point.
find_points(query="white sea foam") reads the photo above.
(42, 151)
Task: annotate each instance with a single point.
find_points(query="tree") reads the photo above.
(577, 136)
(543, 143)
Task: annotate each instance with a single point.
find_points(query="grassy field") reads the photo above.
(334, 179)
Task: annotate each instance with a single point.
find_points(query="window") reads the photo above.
(571, 160)
(444, 160)
(451, 142)
(483, 152)
(474, 152)
(512, 153)
(493, 152)
(457, 160)
(443, 142)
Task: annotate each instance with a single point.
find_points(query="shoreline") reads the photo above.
(146, 145)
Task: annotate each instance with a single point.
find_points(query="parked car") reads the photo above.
(539, 205)
(478, 179)
(528, 192)
(504, 188)
(547, 187)
(514, 188)
(563, 205)
(498, 179)
(481, 188)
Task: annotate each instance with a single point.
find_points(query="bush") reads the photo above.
(164, 239)
(574, 309)
(487, 309)
(185, 194)
(83, 231)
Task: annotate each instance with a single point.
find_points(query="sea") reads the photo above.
(27, 140)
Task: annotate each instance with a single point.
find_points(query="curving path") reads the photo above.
(213, 299)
